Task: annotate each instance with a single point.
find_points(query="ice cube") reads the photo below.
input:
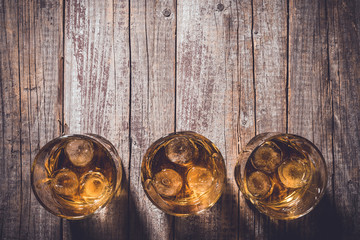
(181, 150)
(199, 179)
(294, 173)
(80, 152)
(65, 182)
(93, 185)
(267, 157)
(259, 184)
(168, 182)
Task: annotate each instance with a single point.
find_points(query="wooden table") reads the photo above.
(133, 71)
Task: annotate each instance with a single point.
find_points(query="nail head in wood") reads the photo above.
(167, 12)
(220, 7)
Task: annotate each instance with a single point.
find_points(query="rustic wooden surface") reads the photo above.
(133, 71)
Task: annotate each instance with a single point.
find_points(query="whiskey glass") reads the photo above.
(283, 175)
(183, 173)
(74, 176)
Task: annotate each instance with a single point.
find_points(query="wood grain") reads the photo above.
(310, 108)
(96, 96)
(244, 104)
(137, 70)
(344, 57)
(152, 43)
(10, 122)
(269, 31)
(269, 34)
(31, 107)
(207, 73)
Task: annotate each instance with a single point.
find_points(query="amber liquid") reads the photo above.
(81, 176)
(183, 175)
(278, 173)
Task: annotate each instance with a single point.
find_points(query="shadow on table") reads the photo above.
(321, 223)
(222, 221)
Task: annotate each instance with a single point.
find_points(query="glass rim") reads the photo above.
(93, 137)
(272, 135)
(155, 146)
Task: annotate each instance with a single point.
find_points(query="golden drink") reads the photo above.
(283, 175)
(183, 173)
(76, 175)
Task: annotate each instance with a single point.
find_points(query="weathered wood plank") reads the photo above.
(97, 96)
(269, 32)
(344, 57)
(10, 204)
(310, 109)
(270, 64)
(230, 83)
(152, 42)
(208, 75)
(31, 51)
(244, 109)
(42, 64)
